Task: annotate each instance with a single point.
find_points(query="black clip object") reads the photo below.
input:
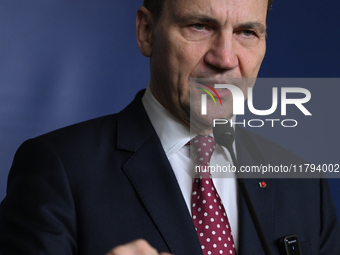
(289, 245)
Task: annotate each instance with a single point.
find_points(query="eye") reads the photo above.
(248, 33)
(197, 31)
(199, 26)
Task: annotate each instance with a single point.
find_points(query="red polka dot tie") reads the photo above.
(208, 213)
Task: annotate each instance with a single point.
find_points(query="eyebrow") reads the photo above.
(194, 17)
(253, 25)
(200, 18)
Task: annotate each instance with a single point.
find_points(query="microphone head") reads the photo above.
(224, 135)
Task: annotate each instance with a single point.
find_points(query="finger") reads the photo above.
(138, 247)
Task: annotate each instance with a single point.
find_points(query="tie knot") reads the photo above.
(202, 148)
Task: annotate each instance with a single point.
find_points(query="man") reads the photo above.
(118, 182)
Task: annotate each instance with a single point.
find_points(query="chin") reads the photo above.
(203, 124)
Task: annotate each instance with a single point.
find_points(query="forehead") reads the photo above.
(222, 10)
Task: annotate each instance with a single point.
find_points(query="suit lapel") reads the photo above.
(150, 173)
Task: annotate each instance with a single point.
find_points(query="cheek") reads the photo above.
(250, 61)
(186, 56)
(261, 52)
(184, 60)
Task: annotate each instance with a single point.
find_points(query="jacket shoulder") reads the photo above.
(94, 129)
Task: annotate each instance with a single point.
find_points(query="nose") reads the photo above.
(222, 53)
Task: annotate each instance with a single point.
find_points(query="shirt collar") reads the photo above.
(172, 133)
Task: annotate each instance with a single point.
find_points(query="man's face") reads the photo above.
(205, 39)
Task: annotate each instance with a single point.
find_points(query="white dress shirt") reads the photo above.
(174, 137)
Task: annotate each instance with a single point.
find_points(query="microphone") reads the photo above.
(224, 135)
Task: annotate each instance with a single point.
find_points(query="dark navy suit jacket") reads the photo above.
(92, 186)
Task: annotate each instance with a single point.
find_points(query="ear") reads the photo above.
(144, 31)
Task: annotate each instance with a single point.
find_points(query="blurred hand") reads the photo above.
(138, 247)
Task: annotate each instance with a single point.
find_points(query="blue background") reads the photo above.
(67, 61)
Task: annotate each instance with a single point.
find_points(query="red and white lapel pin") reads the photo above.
(262, 184)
